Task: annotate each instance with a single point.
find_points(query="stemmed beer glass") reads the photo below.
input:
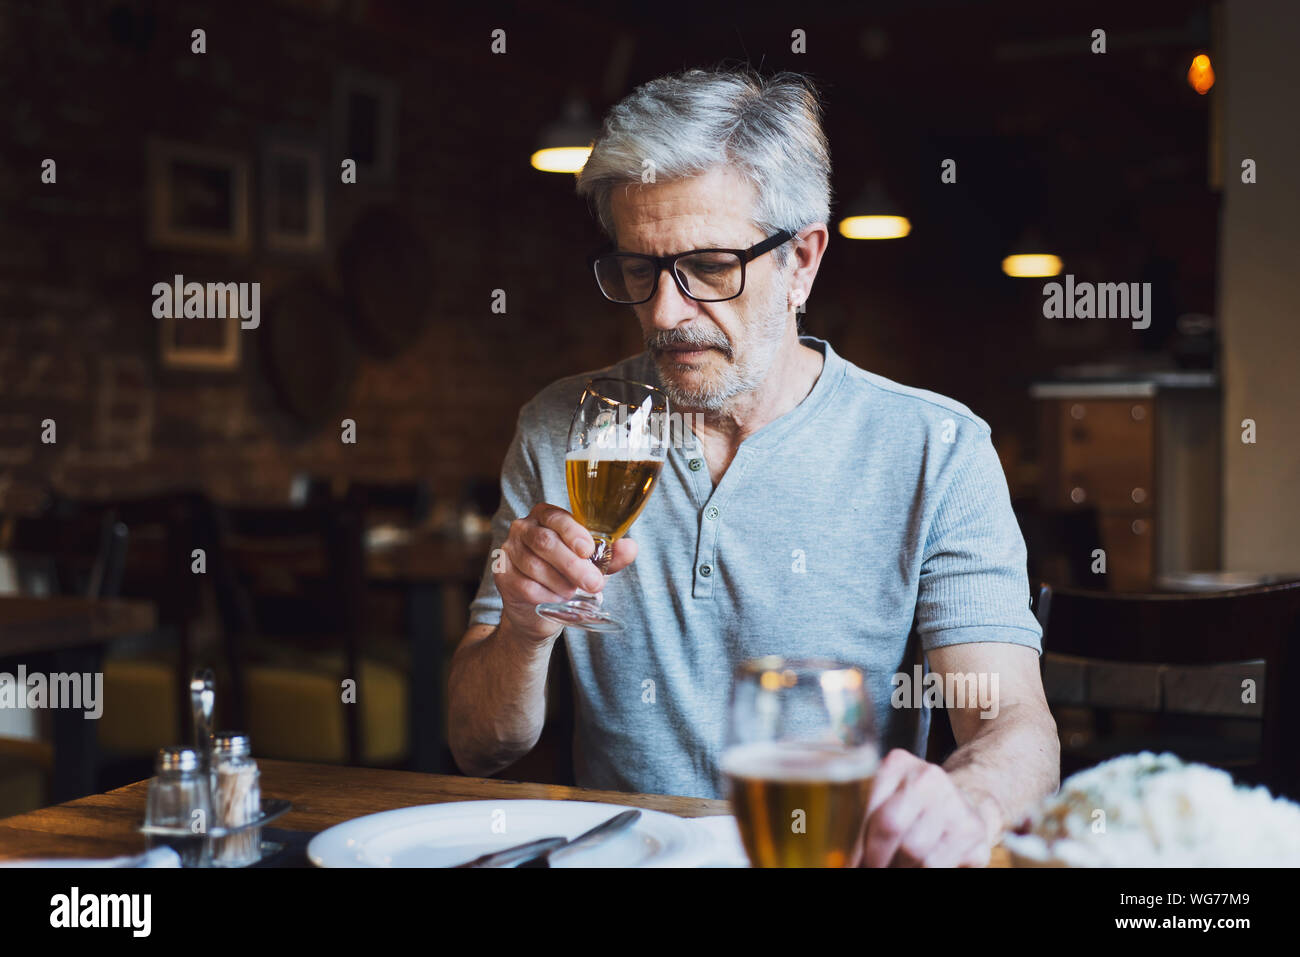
(618, 443)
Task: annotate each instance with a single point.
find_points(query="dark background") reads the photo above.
(1106, 156)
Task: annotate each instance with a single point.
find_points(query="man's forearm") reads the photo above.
(1008, 765)
(497, 700)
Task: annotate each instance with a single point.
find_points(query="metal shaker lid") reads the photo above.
(231, 744)
(176, 759)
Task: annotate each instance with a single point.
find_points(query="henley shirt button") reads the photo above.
(712, 512)
(696, 464)
(706, 570)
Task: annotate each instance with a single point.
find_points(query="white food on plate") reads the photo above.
(1161, 812)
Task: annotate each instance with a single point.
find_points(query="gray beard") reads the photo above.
(736, 378)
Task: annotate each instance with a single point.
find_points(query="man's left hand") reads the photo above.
(919, 817)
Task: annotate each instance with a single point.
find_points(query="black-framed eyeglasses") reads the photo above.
(705, 275)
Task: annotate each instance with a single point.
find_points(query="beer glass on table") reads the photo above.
(800, 756)
(618, 442)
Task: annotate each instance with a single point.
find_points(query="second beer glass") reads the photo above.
(800, 757)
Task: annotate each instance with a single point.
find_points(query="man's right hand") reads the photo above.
(548, 558)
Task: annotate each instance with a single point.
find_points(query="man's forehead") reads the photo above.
(710, 240)
(712, 209)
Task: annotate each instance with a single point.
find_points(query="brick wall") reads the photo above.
(84, 83)
(78, 342)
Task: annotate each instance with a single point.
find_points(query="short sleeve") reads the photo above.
(974, 585)
(521, 489)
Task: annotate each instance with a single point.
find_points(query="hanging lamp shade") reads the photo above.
(1030, 257)
(566, 143)
(874, 215)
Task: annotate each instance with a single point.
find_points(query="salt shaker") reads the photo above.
(179, 799)
(237, 800)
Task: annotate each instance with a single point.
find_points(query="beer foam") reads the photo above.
(785, 761)
(613, 453)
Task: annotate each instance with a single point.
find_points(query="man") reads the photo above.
(826, 511)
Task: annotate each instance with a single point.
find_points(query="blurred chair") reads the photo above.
(1209, 669)
(67, 550)
(290, 588)
(153, 672)
(407, 616)
(64, 551)
(389, 511)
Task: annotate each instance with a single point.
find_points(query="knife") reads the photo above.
(601, 832)
(517, 853)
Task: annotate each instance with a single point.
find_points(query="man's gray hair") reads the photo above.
(768, 130)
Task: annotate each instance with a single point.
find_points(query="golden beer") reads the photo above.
(800, 805)
(607, 495)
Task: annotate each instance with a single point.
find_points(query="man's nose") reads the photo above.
(669, 307)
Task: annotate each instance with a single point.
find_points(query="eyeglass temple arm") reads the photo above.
(771, 242)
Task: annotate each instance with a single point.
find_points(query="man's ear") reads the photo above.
(809, 246)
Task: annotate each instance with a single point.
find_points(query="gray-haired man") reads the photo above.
(826, 511)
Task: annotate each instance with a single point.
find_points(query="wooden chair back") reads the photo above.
(1185, 630)
(67, 551)
(296, 574)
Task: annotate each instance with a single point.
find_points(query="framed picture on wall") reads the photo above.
(293, 196)
(365, 124)
(210, 344)
(198, 198)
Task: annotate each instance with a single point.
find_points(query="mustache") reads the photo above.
(678, 339)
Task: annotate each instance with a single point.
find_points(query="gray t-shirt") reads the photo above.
(869, 519)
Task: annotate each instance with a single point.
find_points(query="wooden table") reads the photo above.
(34, 625)
(62, 635)
(103, 825)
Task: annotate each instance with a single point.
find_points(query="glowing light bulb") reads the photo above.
(561, 159)
(1201, 74)
(1032, 265)
(875, 227)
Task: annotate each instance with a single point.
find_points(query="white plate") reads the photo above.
(443, 835)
